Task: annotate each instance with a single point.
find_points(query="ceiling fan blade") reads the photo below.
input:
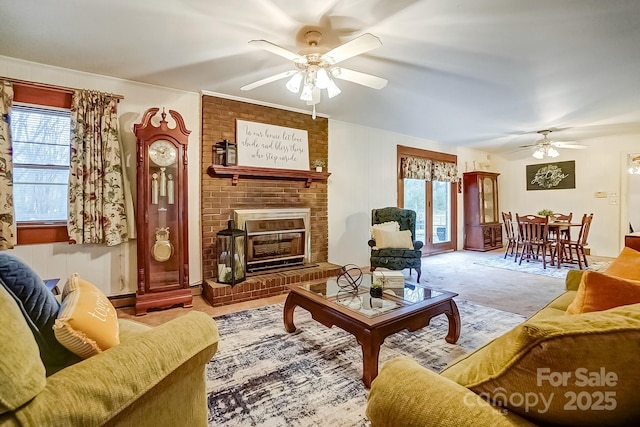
(362, 44)
(278, 76)
(363, 79)
(565, 145)
(274, 48)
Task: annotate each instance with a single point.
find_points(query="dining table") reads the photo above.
(557, 227)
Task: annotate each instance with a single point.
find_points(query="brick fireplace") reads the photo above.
(223, 195)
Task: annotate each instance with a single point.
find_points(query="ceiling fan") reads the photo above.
(546, 147)
(315, 67)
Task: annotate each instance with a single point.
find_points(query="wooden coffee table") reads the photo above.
(371, 320)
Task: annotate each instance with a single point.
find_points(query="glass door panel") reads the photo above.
(415, 197)
(433, 204)
(441, 211)
(489, 201)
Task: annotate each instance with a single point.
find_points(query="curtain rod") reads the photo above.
(49, 86)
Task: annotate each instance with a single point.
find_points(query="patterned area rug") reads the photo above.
(535, 267)
(264, 376)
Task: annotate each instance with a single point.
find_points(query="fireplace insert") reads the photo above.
(273, 243)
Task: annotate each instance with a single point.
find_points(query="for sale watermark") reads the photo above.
(591, 390)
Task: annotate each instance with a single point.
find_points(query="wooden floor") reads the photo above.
(158, 317)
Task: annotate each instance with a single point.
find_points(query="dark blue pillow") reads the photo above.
(39, 307)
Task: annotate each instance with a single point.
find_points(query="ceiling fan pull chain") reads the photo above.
(313, 115)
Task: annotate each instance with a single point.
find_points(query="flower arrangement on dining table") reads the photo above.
(545, 212)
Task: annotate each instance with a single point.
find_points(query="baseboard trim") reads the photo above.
(129, 300)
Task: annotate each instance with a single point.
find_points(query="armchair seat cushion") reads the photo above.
(396, 253)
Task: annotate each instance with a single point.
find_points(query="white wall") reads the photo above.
(113, 269)
(362, 162)
(599, 168)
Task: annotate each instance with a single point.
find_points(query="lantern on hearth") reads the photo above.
(230, 254)
(225, 153)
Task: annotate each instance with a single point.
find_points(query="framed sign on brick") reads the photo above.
(270, 146)
(551, 176)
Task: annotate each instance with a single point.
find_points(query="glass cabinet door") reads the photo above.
(487, 200)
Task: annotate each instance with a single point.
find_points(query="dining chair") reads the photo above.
(534, 232)
(565, 233)
(513, 237)
(579, 244)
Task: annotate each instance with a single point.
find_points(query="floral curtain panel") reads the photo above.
(416, 168)
(97, 211)
(7, 211)
(429, 170)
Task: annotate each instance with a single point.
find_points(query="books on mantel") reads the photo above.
(389, 278)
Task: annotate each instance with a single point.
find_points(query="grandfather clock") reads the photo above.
(161, 214)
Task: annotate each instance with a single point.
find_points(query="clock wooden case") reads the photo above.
(161, 214)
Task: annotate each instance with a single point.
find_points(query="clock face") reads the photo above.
(163, 153)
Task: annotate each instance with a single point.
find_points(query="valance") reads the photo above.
(416, 168)
(429, 170)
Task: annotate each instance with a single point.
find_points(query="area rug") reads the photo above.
(264, 376)
(535, 267)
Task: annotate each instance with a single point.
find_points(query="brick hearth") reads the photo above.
(264, 285)
(220, 197)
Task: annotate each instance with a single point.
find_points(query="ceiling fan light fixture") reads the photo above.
(307, 93)
(333, 89)
(322, 78)
(315, 95)
(294, 82)
(539, 153)
(552, 152)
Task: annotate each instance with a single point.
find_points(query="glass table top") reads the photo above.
(358, 298)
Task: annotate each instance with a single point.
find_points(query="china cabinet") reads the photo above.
(483, 230)
(161, 214)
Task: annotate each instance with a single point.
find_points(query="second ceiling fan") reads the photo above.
(546, 147)
(316, 68)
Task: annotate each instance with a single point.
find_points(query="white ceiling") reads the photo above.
(484, 74)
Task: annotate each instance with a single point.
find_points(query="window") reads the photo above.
(43, 108)
(40, 139)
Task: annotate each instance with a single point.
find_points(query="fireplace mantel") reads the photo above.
(235, 172)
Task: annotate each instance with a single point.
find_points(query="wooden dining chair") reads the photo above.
(559, 217)
(512, 235)
(580, 243)
(534, 232)
(565, 233)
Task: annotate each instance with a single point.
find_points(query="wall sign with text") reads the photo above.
(270, 146)
(551, 176)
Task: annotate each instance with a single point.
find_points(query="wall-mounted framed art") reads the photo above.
(552, 176)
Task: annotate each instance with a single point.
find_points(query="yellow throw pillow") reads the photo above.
(626, 265)
(599, 291)
(87, 323)
(394, 239)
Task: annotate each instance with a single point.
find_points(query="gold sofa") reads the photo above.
(556, 368)
(153, 377)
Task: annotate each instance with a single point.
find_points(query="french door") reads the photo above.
(433, 203)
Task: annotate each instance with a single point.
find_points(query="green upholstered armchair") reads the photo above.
(396, 258)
